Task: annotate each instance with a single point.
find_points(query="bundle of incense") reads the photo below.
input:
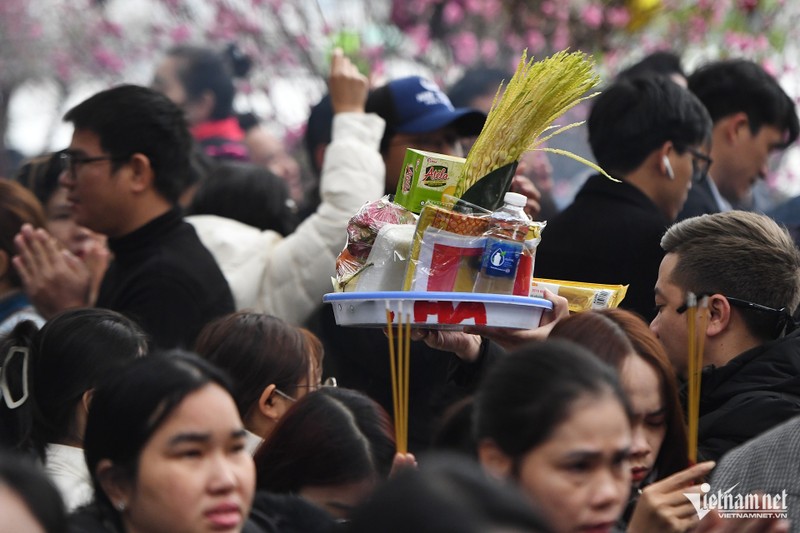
(399, 361)
(696, 340)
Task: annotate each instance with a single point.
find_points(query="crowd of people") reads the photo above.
(167, 365)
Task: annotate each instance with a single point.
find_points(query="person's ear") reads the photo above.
(142, 175)
(665, 165)
(736, 126)
(114, 483)
(86, 399)
(493, 460)
(268, 404)
(719, 315)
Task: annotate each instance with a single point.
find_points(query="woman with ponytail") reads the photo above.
(47, 383)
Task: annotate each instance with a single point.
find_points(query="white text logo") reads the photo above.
(734, 505)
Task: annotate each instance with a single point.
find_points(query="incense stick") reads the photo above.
(693, 398)
(393, 369)
(403, 448)
(400, 366)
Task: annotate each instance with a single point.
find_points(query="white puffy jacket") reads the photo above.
(287, 276)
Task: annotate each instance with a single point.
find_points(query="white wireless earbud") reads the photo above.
(668, 166)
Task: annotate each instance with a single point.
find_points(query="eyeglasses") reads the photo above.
(782, 316)
(329, 382)
(700, 163)
(69, 161)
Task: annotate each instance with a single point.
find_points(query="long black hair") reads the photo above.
(70, 354)
(132, 404)
(527, 394)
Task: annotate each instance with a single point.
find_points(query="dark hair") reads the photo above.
(447, 494)
(257, 350)
(612, 335)
(476, 82)
(598, 333)
(738, 254)
(247, 121)
(329, 437)
(633, 117)
(453, 432)
(674, 454)
(40, 175)
(738, 85)
(74, 351)
(26, 479)
(528, 393)
(663, 62)
(18, 206)
(248, 193)
(129, 406)
(319, 129)
(203, 69)
(130, 119)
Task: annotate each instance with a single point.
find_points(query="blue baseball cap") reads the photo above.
(418, 105)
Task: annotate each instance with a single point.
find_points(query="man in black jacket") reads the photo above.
(749, 269)
(753, 117)
(652, 135)
(124, 169)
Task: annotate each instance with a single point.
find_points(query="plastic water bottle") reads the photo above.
(508, 227)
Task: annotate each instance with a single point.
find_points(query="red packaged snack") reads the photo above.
(361, 232)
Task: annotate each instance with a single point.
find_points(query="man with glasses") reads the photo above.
(652, 136)
(747, 269)
(753, 119)
(124, 169)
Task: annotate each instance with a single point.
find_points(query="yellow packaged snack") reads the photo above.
(581, 296)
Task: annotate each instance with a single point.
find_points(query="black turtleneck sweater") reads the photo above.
(166, 280)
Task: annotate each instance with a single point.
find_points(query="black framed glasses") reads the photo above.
(69, 161)
(782, 317)
(700, 163)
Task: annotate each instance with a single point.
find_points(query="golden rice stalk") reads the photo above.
(537, 94)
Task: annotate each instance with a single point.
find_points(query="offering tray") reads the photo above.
(437, 310)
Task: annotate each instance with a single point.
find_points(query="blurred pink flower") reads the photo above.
(108, 60)
(618, 17)
(303, 42)
(592, 16)
(562, 12)
(535, 40)
(548, 8)
(473, 6)
(561, 37)
(697, 29)
(514, 42)
(180, 34)
(420, 36)
(110, 28)
(492, 9)
(452, 13)
(771, 68)
(465, 47)
(748, 6)
(36, 31)
(489, 50)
